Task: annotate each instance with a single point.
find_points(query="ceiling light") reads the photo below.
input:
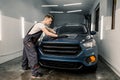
(35, 22)
(72, 4)
(49, 5)
(56, 12)
(74, 11)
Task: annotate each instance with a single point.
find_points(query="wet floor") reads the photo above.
(12, 71)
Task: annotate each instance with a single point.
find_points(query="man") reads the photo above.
(29, 52)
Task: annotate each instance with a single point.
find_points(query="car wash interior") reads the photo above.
(90, 50)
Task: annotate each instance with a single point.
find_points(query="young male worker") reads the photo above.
(29, 52)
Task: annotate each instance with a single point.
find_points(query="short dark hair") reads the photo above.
(49, 16)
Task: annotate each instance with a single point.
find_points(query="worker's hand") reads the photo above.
(54, 31)
(62, 36)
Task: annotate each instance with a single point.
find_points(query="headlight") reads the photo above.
(89, 44)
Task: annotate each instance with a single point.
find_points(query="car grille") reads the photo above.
(61, 65)
(60, 49)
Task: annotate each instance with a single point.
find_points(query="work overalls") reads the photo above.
(30, 56)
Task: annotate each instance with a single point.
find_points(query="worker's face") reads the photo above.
(48, 21)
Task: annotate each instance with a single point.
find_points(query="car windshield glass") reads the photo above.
(72, 30)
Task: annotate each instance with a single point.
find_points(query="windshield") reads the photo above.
(72, 30)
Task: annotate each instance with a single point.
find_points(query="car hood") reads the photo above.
(72, 38)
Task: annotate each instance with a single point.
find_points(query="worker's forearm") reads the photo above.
(51, 30)
(47, 32)
(51, 34)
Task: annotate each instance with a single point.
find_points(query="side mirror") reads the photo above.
(92, 32)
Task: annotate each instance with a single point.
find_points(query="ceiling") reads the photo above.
(85, 6)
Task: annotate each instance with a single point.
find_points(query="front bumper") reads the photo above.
(68, 62)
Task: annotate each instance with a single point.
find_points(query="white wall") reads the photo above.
(11, 44)
(61, 19)
(109, 47)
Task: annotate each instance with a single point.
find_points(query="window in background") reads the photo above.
(113, 13)
(97, 18)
